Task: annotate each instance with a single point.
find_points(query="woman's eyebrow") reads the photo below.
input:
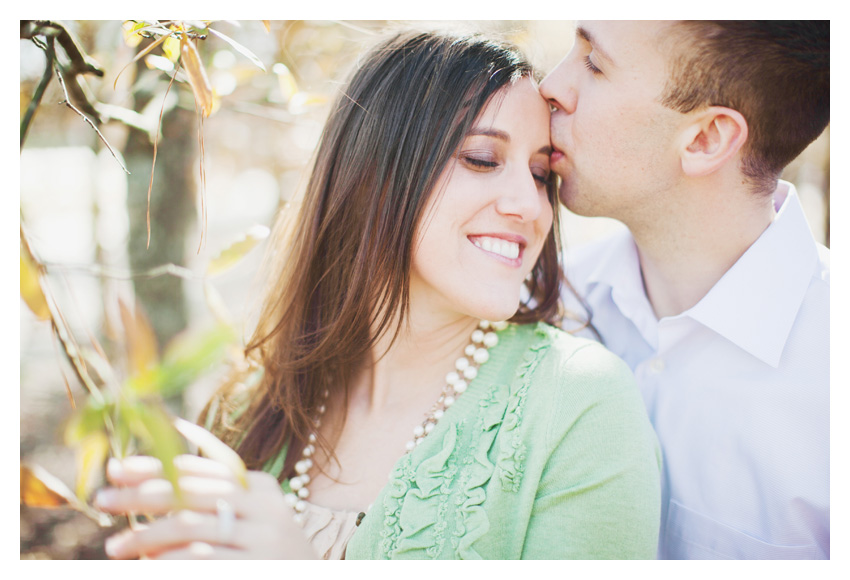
(489, 132)
(503, 136)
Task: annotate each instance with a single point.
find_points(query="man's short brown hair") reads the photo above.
(775, 73)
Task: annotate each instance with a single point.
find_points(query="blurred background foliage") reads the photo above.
(217, 185)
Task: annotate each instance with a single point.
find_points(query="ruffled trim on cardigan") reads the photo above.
(417, 503)
(511, 459)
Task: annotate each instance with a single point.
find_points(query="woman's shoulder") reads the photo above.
(568, 361)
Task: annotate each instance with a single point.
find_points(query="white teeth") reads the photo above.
(504, 248)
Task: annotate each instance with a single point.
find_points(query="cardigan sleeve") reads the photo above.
(599, 492)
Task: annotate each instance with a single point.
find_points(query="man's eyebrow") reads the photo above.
(586, 35)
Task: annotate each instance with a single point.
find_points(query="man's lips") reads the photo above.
(556, 156)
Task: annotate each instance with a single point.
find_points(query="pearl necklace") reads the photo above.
(483, 338)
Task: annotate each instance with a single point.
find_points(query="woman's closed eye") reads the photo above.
(480, 163)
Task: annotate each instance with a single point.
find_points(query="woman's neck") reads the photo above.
(414, 364)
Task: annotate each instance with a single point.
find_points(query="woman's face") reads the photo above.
(489, 215)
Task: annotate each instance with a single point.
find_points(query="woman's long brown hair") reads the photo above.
(339, 274)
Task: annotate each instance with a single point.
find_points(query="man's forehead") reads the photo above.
(614, 39)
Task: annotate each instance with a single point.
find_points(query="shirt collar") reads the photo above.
(618, 271)
(755, 303)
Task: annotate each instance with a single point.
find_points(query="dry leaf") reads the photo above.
(91, 455)
(140, 339)
(239, 48)
(213, 448)
(197, 75)
(31, 290)
(41, 489)
(228, 257)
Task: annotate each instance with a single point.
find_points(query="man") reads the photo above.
(717, 296)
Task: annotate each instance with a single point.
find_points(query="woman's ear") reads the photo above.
(715, 137)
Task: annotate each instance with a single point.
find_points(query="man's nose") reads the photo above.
(559, 89)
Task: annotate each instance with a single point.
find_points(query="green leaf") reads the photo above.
(239, 48)
(86, 421)
(152, 426)
(186, 357)
(214, 448)
(237, 250)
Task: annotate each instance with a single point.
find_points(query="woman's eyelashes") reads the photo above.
(479, 162)
(483, 163)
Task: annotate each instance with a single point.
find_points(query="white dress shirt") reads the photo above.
(737, 388)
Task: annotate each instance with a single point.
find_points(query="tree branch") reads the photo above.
(67, 102)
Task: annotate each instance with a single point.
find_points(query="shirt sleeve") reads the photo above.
(599, 493)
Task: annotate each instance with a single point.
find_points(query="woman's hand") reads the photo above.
(217, 519)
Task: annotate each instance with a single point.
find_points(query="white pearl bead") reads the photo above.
(308, 451)
(501, 325)
(299, 518)
(438, 414)
(410, 445)
(429, 427)
(419, 431)
(449, 401)
(460, 387)
(461, 363)
(305, 479)
(322, 409)
(291, 499)
(419, 441)
(311, 438)
(295, 483)
(300, 505)
(484, 325)
(452, 378)
(491, 339)
(481, 356)
(469, 350)
(303, 493)
(470, 373)
(477, 336)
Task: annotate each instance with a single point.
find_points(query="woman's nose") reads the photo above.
(522, 197)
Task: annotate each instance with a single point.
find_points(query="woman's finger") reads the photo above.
(134, 470)
(201, 551)
(263, 500)
(157, 496)
(178, 532)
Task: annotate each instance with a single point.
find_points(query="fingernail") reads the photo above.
(104, 498)
(112, 545)
(113, 467)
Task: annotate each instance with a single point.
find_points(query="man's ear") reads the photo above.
(715, 136)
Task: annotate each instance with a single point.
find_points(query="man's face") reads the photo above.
(615, 143)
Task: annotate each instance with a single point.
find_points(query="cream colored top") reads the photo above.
(328, 530)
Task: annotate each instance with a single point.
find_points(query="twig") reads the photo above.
(98, 270)
(67, 103)
(39, 90)
(155, 143)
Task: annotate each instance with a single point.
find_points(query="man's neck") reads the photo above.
(683, 255)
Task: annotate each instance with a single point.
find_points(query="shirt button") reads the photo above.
(656, 365)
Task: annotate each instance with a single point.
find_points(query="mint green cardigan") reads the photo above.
(548, 455)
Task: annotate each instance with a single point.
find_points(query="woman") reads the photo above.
(430, 205)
